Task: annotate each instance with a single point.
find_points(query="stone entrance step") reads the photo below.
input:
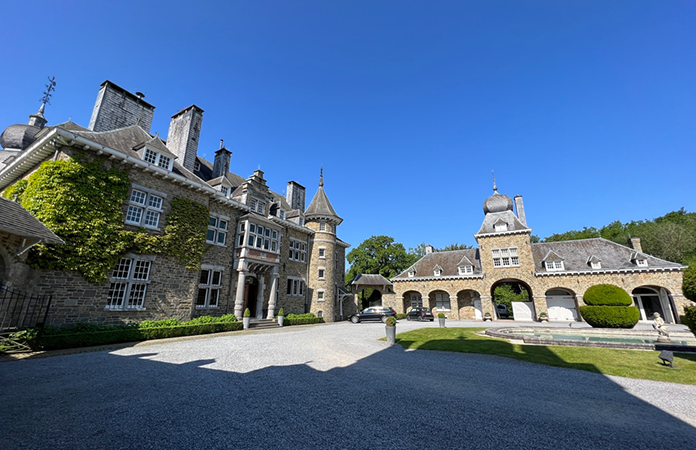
(259, 324)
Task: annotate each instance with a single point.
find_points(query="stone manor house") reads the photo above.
(461, 283)
(264, 251)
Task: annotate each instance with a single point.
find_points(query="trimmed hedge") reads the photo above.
(83, 335)
(610, 316)
(607, 295)
(690, 316)
(400, 316)
(302, 319)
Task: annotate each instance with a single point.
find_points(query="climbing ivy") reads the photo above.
(81, 202)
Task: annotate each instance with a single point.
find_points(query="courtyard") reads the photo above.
(328, 386)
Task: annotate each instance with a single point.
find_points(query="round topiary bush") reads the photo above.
(391, 321)
(690, 316)
(607, 295)
(610, 316)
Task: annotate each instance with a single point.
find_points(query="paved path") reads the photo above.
(330, 386)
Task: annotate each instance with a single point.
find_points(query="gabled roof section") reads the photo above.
(16, 220)
(364, 279)
(156, 144)
(552, 256)
(437, 267)
(593, 259)
(448, 261)
(612, 255)
(465, 261)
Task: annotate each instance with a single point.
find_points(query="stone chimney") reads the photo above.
(184, 132)
(635, 244)
(519, 206)
(221, 165)
(429, 249)
(117, 108)
(296, 196)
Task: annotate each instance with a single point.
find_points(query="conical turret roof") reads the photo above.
(320, 207)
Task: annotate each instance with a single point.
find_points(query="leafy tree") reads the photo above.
(419, 250)
(506, 293)
(534, 239)
(455, 246)
(379, 255)
(689, 283)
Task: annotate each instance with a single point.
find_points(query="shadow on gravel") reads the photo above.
(392, 399)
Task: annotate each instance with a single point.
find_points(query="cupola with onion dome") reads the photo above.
(500, 215)
(19, 136)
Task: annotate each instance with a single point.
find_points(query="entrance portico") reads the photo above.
(251, 285)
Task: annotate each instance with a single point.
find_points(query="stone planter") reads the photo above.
(280, 321)
(487, 319)
(391, 335)
(442, 321)
(245, 322)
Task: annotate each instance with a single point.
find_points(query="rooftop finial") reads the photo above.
(495, 188)
(321, 177)
(51, 86)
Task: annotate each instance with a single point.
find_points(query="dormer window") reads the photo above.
(500, 226)
(437, 270)
(197, 166)
(596, 264)
(281, 214)
(642, 262)
(257, 206)
(466, 270)
(411, 273)
(554, 265)
(157, 159)
(224, 190)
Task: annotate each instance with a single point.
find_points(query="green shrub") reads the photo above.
(689, 282)
(302, 319)
(440, 315)
(280, 312)
(159, 323)
(301, 316)
(401, 316)
(610, 316)
(690, 316)
(391, 321)
(607, 295)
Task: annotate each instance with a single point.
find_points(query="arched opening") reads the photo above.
(470, 307)
(561, 305)
(368, 297)
(412, 299)
(439, 301)
(251, 292)
(513, 299)
(654, 299)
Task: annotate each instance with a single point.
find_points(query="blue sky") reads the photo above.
(585, 108)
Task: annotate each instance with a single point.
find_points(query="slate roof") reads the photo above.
(14, 219)
(370, 279)
(124, 140)
(488, 225)
(71, 126)
(449, 261)
(576, 254)
(321, 207)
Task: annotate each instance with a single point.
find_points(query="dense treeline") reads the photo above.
(671, 237)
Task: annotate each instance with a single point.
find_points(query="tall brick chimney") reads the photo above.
(184, 132)
(635, 244)
(296, 196)
(520, 210)
(221, 165)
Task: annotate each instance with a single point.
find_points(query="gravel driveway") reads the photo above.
(328, 386)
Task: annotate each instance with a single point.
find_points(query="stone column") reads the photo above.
(274, 294)
(239, 297)
(488, 307)
(539, 305)
(259, 296)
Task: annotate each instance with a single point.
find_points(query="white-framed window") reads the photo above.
(411, 273)
(416, 300)
(129, 282)
(257, 206)
(217, 230)
(321, 272)
(554, 265)
(505, 257)
(298, 250)
(501, 226)
(197, 166)
(225, 190)
(437, 272)
(144, 208)
(322, 252)
(642, 262)
(320, 296)
(322, 226)
(296, 287)
(209, 289)
(263, 238)
(596, 264)
(442, 301)
(466, 270)
(157, 159)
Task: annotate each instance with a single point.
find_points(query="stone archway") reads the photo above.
(375, 286)
(469, 302)
(513, 291)
(412, 299)
(561, 305)
(439, 301)
(654, 299)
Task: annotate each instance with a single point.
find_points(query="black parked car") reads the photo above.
(420, 314)
(373, 313)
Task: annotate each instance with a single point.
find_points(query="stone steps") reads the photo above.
(260, 324)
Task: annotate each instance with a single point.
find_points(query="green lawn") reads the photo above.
(625, 363)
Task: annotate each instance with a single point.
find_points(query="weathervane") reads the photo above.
(46, 99)
(321, 177)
